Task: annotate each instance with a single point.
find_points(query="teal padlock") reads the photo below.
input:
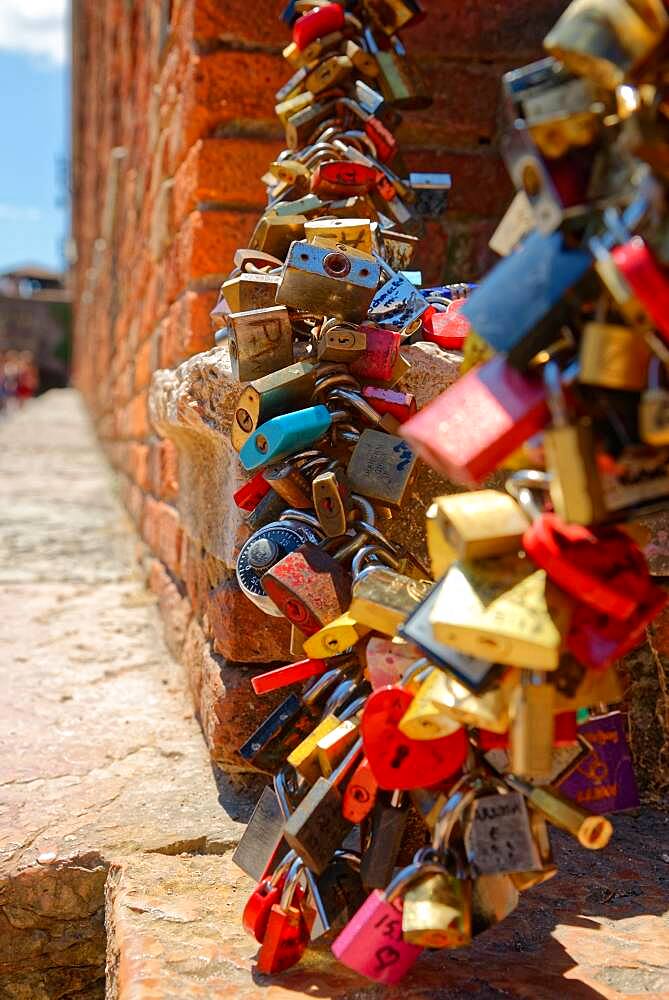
(284, 435)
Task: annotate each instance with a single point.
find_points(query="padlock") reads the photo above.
(323, 20)
(400, 405)
(262, 550)
(604, 780)
(360, 794)
(328, 282)
(309, 587)
(341, 342)
(473, 526)
(250, 291)
(284, 435)
(372, 943)
(505, 406)
(386, 660)
(268, 892)
(302, 124)
(442, 703)
(336, 637)
(259, 849)
(647, 280)
(328, 493)
(575, 485)
(291, 172)
(472, 671)
(382, 467)
(248, 496)
(599, 566)
(288, 929)
(494, 897)
(383, 598)
(606, 39)
(502, 608)
(598, 640)
(278, 392)
(317, 827)
(292, 105)
(399, 79)
(519, 308)
(355, 233)
(342, 178)
(288, 482)
(394, 15)
(292, 87)
(331, 72)
(654, 407)
(397, 761)
(397, 304)
(268, 510)
(388, 823)
(448, 329)
(275, 233)
(379, 356)
(531, 711)
(292, 673)
(261, 341)
(305, 757)
(286, 727)
(614, 357)
(591, 831)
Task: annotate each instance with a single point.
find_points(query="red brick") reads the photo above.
(208, 20)
(163, 466)
(205, 247)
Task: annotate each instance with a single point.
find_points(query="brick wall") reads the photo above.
(173, 126)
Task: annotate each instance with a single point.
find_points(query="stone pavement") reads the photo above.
(105, 781)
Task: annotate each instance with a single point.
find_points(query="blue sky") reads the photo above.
(33, 108)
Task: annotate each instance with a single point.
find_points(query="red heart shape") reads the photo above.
(397, 761)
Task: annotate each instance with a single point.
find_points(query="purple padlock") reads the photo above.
(604, 781)
(372, 942)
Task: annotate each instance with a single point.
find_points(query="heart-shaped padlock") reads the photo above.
(600, 566)
(397, 761)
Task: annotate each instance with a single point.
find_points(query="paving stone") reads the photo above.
(597, 930)
(100, 754)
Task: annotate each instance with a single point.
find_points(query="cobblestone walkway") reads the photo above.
(104, 781)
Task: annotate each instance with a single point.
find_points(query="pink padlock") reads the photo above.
(448, 329)
(372, 942)
(387, 661)
(381, 354)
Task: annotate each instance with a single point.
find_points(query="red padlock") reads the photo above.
(467, 431)
(385, 187)
(597, 640)
(398, 761)
(601, 566)
(318, 23)
(309, 587)
(384, 141)
(448, 329)
(381, 353)
(288, 928)
(248, 496)
(400, 405)
(268, 892)
(341, 178)
(646, 279)
(282, 677)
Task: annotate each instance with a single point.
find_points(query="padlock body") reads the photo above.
(372, 943)
(654, 417)
(380, 354)
(328, 282)
(380, 857)
(437, 912)
(575, 488)
(284, 435)
(381, 467)
(317, 827)
(261, 341)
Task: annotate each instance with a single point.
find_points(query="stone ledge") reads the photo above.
(595, 931)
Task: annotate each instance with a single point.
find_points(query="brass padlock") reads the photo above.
(290, 484)
(606, 39)
(261, 342)
(442, 702)
(278, 392)
(382, 598)
(382, 467)
(341, 342)
(294, 104)
(354, 233)
(502, 610)
(274, 234)
(654, 408)
(437, 911)
(399, 79)
(615, 357)
(473, 526)
(326, 282)
(331, 72)
(250, 291)
(301, 125)
(532, 724)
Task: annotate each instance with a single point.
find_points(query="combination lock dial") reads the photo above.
(263, 550)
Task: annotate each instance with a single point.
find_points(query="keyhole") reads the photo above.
(401, 754)
(328, 505)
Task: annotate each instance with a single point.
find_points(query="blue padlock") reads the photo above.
(284, 435)
(525, 300)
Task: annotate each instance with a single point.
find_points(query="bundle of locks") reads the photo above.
(450, 714)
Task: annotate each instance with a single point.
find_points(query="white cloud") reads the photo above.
(34, 26)
(19, 213)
